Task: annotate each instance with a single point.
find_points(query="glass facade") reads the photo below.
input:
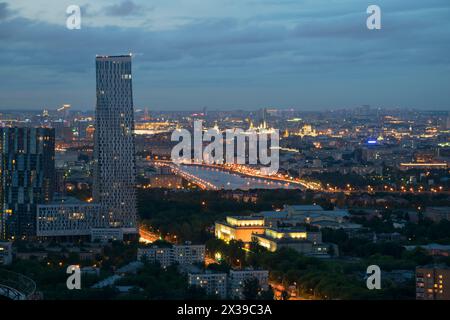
(27, 160)
(114, 151)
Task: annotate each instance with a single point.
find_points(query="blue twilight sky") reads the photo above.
(229, 54)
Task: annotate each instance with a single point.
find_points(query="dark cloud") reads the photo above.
(224, 53)
(5, 12)
(124, 8)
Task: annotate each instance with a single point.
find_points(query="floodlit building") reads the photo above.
(433, 283)
(239, 228)
(299, 239)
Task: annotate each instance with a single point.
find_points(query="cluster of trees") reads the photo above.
(386, 254)
(50, 277)
(341, 180)
(231, 254)
(154, 282)
(426, 230)
(330, 279)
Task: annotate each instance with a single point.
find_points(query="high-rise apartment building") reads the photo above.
(114, 147)
(27, 164)
(433, 283)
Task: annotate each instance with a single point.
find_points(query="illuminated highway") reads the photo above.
(215, 177)
(147, 236)
(233, 176)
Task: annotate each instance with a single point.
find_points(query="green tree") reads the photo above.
(251, 289)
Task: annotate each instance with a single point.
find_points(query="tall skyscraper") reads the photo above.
(27, 164)
(114, 147)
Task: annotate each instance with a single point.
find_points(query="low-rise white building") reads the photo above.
(69, 217)
(237, 279)
(166, 256)
(213, 283)
(106, 234)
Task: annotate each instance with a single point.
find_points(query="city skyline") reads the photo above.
(251, 150)
(235, 55)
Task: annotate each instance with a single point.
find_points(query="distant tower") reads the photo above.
(114, 148)
(264, 116)
(146, 114)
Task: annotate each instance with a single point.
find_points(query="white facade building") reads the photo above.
(74, 218)
(106, 234)
(213, 283)
(166, 256)
(237, 279)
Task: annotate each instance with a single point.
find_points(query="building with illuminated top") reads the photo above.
(114, 142)
(239, 228)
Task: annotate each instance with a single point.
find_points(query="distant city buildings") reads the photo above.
(114, 146)
(27, 164)
(437, 214)
(433, 249)
(166, 181)
(313, 215)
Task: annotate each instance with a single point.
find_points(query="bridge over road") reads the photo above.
(16, 286)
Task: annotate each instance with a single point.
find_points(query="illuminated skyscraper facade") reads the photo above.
(114, 149)
(27, 164)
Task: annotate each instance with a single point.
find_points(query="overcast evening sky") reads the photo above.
(229, 54)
